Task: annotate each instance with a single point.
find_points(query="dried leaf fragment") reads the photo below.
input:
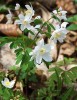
(65, 5)
(10, 30)
(67, 49)
(1, 17)
(71, 36)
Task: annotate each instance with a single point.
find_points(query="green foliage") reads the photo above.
(3, 8)
(7, 94)
(54, 85)
(58, 86)
(72, 19)
(75, 1)
(72, 27)
(37, 21)
(49, 27)
(65, 96)
(55, 17)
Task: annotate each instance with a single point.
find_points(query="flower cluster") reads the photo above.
(42, 51)
(25, 21)
(7, 83)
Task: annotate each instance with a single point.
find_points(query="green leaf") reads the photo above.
(25, 58)
(74, 71)
(75, 1)
(52, 26)
(58, 72)
(55, 17)
(66, 95)
(68, 61)
(3, 8)
(13, 45)
(47, 34)
(2, 43)
(72, 19)
(49, 28)
(66, 79)
(37, 21)
(72, 27)
(33, 78)
(24, 67)
(19, 58)
(31, 32)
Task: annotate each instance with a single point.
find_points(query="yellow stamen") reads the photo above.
(42, 50)
(57, 35)
(24, 22)
(7, 83)
(28, 12)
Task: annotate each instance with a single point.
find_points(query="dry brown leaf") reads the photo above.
(42, 70)
(1, 17)
(66, 5)
(10, 30)
(47, 3)
(60, 57)
(42, 11)
(66, 68)
(18, 86)
(71, 37)
(54, 50)
(46, 15)
(67, 49)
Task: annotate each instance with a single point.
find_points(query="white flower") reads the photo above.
(24, 21)
(7, 83)
(17, 7)
(63, 25)
(38, 17)
(30, 12)
(61, 14)
(60, 34)
(41, 51)
(9, 17)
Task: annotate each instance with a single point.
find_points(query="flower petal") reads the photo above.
(18, 22)
(41, 43)
(21, 16)
(22, 27)
(37, 26)
(12, 83)
(63, 25)
(55, 11)
(28, 7)
(38, 59)
(17, 7)
(6, 79)
(47, 57)
(47, 47)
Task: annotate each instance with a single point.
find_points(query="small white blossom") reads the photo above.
(17, 7)
(7, 83)
(9, 17)
(38, 17)
(41, 51)
(24, 21)
(60, 34)
(30, 12)
(61, 14)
